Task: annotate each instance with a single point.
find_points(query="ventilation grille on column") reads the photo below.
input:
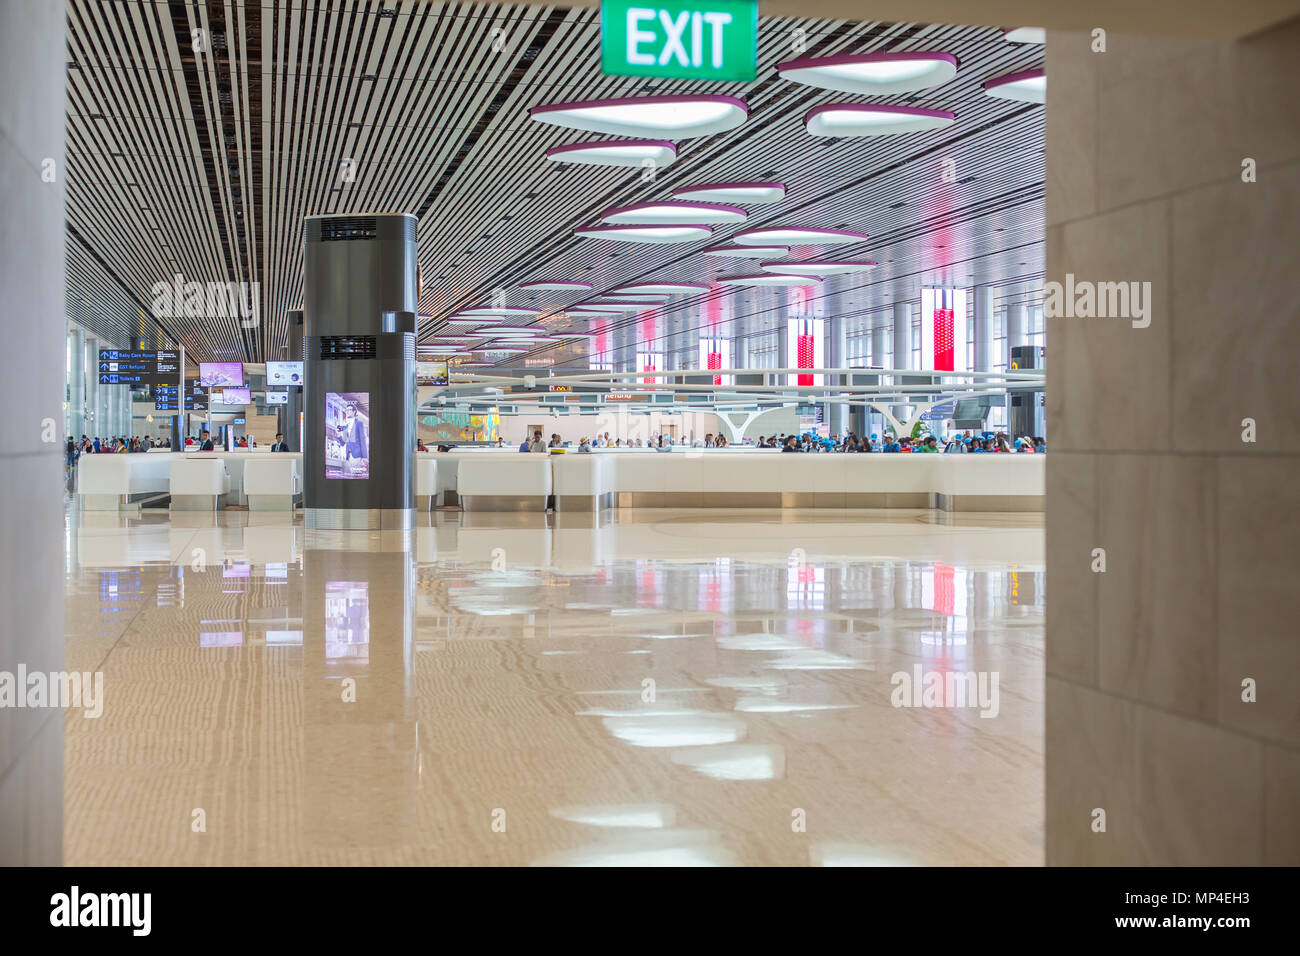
(352, 227)
(336, 347)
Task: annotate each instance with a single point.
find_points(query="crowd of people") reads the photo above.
(957, 444)
(75, 448)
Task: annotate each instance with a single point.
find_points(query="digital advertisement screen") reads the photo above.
(277, 398)
(221, 374)
(235, 396)
(283, 373)
(430, 373)
(347, 435)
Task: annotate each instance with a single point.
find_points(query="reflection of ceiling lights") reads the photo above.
(750, 193)
(513, 329)
(768, 278)
(637, 152)
(593, 313)
(658, 234)
(497, 312)
(1025, 35)
(669, 212)
(796, 236)
(510, 349)
(660, 288)
(556, 286)
(819, 267)
(1029, 86)
(676, 116)
(471, 319)
(871, 74)
(863, 119)
(747, 252)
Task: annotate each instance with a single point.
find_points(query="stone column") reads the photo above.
(1171, 700)
(33, 48)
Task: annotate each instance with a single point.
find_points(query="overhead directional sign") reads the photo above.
(130, 367)
(691, 39)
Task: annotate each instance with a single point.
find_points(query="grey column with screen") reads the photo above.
(359, 398)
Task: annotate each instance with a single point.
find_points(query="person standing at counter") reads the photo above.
(206, 443)
(279, 445)
(930, 446)
(537, 445)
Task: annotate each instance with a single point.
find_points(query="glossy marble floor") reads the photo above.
(653, 687)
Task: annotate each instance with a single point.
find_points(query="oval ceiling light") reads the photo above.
(660, 288)
(500, 312)
(672, 212)
(615, 305)
(747, 252)
(471, 319)
(865, 119)
(796, 236)
(513, 329)
(819, 267)
(547, 286)
(655, 234)
(678, 117)
(768, 278)
(750, 193)
(1025, 35)
(512, 349)
(871, 74)
(593, 312)
(637, 152)
(1028, 86)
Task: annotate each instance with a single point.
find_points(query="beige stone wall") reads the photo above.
(1201, 531)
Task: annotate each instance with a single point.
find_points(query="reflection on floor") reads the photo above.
(654, 687)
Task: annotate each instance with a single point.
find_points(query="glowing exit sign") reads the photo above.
(693, 39)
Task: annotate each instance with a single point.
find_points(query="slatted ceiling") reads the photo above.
(230, 150)
(797, 141)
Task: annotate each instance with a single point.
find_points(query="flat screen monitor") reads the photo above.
(235, 396)
(221, 374)
(431, 373)
(277, 398)
(347, 435)
(283, 373)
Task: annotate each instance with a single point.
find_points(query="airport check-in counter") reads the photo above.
(272, 482)
(504, 483)
(198, 482)
(695, 478)
(106, 482)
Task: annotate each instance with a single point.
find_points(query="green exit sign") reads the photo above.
(699, 40)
